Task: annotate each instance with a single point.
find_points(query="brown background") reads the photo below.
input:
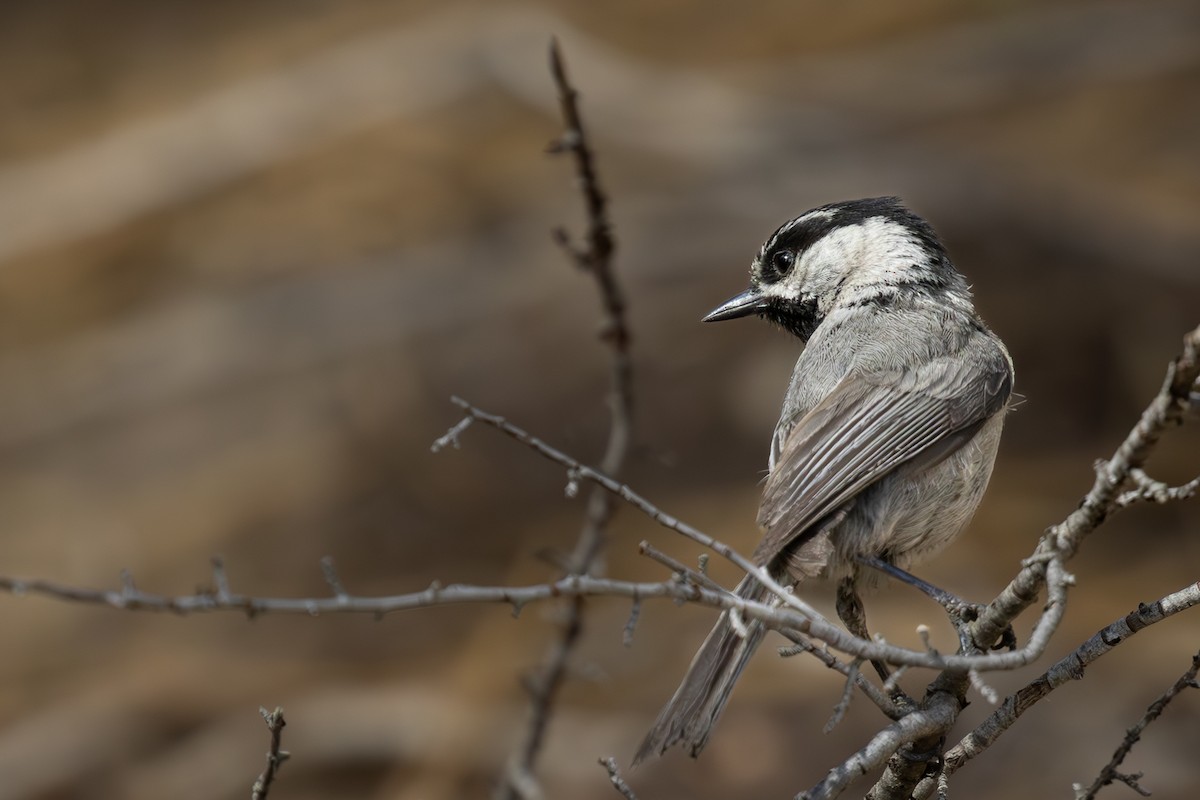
(248, 251)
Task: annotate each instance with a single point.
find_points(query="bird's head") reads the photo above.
(853, 253)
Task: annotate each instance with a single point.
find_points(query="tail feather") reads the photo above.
(689, 716)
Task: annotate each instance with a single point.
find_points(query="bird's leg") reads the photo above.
(852, 614)
(961, 612)
(947, 600)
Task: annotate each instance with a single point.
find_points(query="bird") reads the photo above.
(889, 426)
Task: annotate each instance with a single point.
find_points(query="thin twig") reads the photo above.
(635, 611)
(914, 758)
(936, 716)
(435, 595)
(981, 686)
(618, 782)
(1110, 773)
(843, 703)
(451, 437)
(892, 684)
(331, 578)
(1070, 668)
(943, 786)
(770, 614)
(597, 259)
(1046, 567)
(808, 620)
(1167, 408)
(676, 566)
(220, 579)
(1148, 490)
(623, 491)
(877, 695)
(275, 756)
(795, 614)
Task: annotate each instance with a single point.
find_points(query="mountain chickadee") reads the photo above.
(889, 426)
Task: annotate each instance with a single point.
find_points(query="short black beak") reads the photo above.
(747, 303)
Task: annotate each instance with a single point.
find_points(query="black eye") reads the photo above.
(783, 261)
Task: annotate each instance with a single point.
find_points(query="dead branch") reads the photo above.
(596, 258)
(130, 598)
(1069, 668)
(618, 782)
(1167, 408)
(915, 730)
(937, 714)
(877, 695)
(1059, 544)
(805, 618)
(1147, 490)
(275, 756)
(1109, 774)
(773, 616)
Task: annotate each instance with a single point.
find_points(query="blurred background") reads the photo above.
(249, 250)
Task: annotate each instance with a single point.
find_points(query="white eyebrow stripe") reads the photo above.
(820, 213)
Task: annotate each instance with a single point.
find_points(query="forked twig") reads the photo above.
(1109, 773)
(1070, 668)
(596, 258)
(275, 756)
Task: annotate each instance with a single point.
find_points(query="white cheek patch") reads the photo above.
(876, 251)
(889, 253)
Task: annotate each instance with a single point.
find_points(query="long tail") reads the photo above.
(691, 713)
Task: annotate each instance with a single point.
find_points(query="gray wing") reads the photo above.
(868, 426)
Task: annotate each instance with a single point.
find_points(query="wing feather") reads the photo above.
(868, 426)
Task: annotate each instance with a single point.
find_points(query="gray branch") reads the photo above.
(595, 258)
(1109, 774)
(1070, 668)
(1167, 409)
(275, 756)
(1045, 568)
(937, 714)
(794, 612)
(614, 775)
(1147, 490)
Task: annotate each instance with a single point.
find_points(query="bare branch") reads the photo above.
(220, 579)
(451, 437)
(773, 616)
(1109, 773)
(798, 616)
(1148, 490)
(801, 644)
(597, 259)
(937, 714)
(608, 484)
(635, 611)
(911, 762)
(943, 786)
(1168, 408)
(618, 782)
(1069, 668)
(435, 595)
(695, 576)
(893, 682)
(331, 578)
(275, 756)
(981, 686)
(843, 703)
(805, 619)
(1045, 568)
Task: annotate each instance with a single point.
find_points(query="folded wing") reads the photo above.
(868, 426)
